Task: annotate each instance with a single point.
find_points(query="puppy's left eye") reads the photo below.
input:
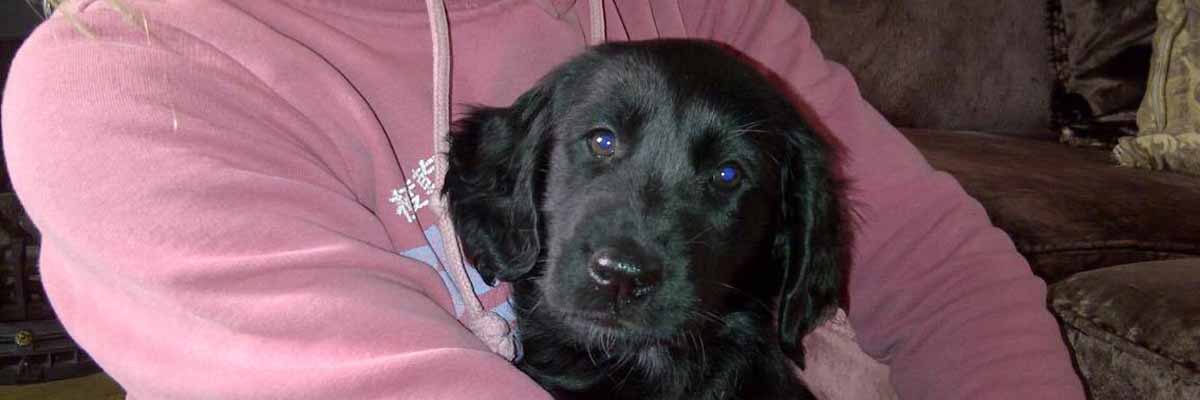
(602, 142)
(728, 176)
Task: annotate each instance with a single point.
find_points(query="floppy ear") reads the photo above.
(810, 244)
(493, 184)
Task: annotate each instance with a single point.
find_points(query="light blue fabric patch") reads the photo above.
(430, 257)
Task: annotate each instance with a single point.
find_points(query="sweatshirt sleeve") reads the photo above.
(934, 290)
(200, 243)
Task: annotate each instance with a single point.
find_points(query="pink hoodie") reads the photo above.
(237, 201)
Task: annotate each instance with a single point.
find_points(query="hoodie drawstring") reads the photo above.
(596, 12)
(487, 325)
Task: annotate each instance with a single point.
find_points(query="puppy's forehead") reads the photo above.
(663, 72)
(670, 95)
(659, 82)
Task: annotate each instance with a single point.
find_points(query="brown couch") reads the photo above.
(977, 86)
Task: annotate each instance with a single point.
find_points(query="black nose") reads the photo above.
(625, 274)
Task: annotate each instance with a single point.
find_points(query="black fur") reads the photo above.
(726, 280)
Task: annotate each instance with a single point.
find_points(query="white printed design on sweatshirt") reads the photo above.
(416, 192)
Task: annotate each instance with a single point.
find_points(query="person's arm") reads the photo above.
(935, 290)
(202, 242)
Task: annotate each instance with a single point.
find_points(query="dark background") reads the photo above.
(17, 19)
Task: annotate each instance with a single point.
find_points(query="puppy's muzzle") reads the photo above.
(623, 274)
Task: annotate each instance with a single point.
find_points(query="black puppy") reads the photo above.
(656, 205)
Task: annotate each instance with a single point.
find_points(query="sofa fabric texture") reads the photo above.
(1135, 329)
(946, 64)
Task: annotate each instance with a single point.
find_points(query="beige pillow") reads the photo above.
(1169, 117)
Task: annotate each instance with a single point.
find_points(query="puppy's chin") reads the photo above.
(592, 328)
(614, 338)
(605, 336)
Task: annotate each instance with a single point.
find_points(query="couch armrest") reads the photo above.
(1070, 209)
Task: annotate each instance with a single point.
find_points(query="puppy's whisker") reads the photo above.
(536, 304)
(622, 360)
(775, 160)
(734, 135)
(588, 350)
(748, 125)
(609, 342)
(744, 129)
(702, 232)
(756, 301)
(625, 379)
(717, 318)
(709, 316)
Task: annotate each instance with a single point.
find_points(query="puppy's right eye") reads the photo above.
(728, 176)
(602, 142)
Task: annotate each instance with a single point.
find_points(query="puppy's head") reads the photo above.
(648, 189)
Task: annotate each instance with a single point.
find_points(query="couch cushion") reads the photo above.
(1070, 209)
(1135, 328)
